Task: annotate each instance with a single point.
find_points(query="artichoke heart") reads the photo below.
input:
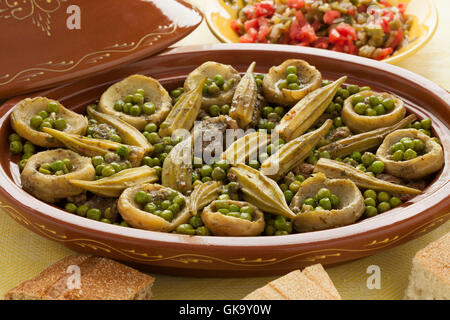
(154, 92)
(137, 218)
(129, 134)
(245, 99)
(184, 112)
(246, 148)
(177, 167)
(113, 186)
(430, 161)
(95, 147)
(225, 225)
(30, 107)
(261, 191)
(293, 153)
(209, 70)
(310, 79)
(204, 194)
(306, 112)
(362, 123)
(51, 188)
(364, 141)
(351, 204)
(339, 170)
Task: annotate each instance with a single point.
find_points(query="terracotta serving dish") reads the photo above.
(228, 256)
(46, 43)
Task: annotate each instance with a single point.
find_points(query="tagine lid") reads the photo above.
(46, 43)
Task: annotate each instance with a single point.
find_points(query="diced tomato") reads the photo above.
(402, 7)
(264, 29)
(296, 4)
(385, 25)
(316, 24)
(347, 31)
(264, 9)
(388, 15)
(351, 11)
(249, 13)
(330, 16)
(250, 36)
(345, 47)
(321, 42)
(384, 53)
(398, 38)
(385, 3)
(253, 23)
(301, 30)
(235, 25)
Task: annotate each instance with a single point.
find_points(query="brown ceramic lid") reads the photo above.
(42, 45)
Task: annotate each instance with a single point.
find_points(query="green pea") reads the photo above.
(218, 174)
(395, 202)
(149, 108)
(344, 93)
(280, 223)
(374, 101)
(365, 88)
(225, 109)
(206, 170)
(214, 110)
(71, 207)
(213, 89)
(60, 124)
(291, 70)
(219, 80)
(407, 142)
(126, 107)
(123, 151)
(22, 164)
(118, 106)
(370, 212)
(288, 195)
(82, 210)
(409, 154)
(233, 208)
(292, 78)
(52, 106)
(323, 193)
(295, 186)
(138, 99)
(353, 88)
(196, 221)
(426, 124)
(370, 112)
(269, 230)
(388, 103)
(376, 167)
(397, 146)
(383, 206)
(115, 138)
(417, 125)
(16, 147)
(293, 86)
(150, 207)
(370, 202)
(202, 231)
(335, 200)
(357, 98)
(325, 203)
(383, 196)
(167, 215)
(97, 160)
(141, 197)
(135, 110)
(151, 127)
(246, 209)
(419, 146)
(379, 109)
(221, 204)
(246, 216)
(108, 171)
(310, 202)
(94, 214)
(67, 164)
(338, 122)
(361, 167)
(356, 155)
(367, 158)
(153, 138)
(175, 93)
(398, 155)
(360, 107)
(424, 131)
(369, 193)
(36, 121)
(57, 165)
(14, 137)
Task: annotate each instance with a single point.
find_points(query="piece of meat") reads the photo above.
(339, 133)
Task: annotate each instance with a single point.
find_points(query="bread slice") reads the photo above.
(297, 285)
(430, 274)
(100, 279)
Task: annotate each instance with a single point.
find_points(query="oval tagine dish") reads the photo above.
(167, 198)
(388, 30)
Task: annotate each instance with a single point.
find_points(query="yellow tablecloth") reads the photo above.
(24, 254)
